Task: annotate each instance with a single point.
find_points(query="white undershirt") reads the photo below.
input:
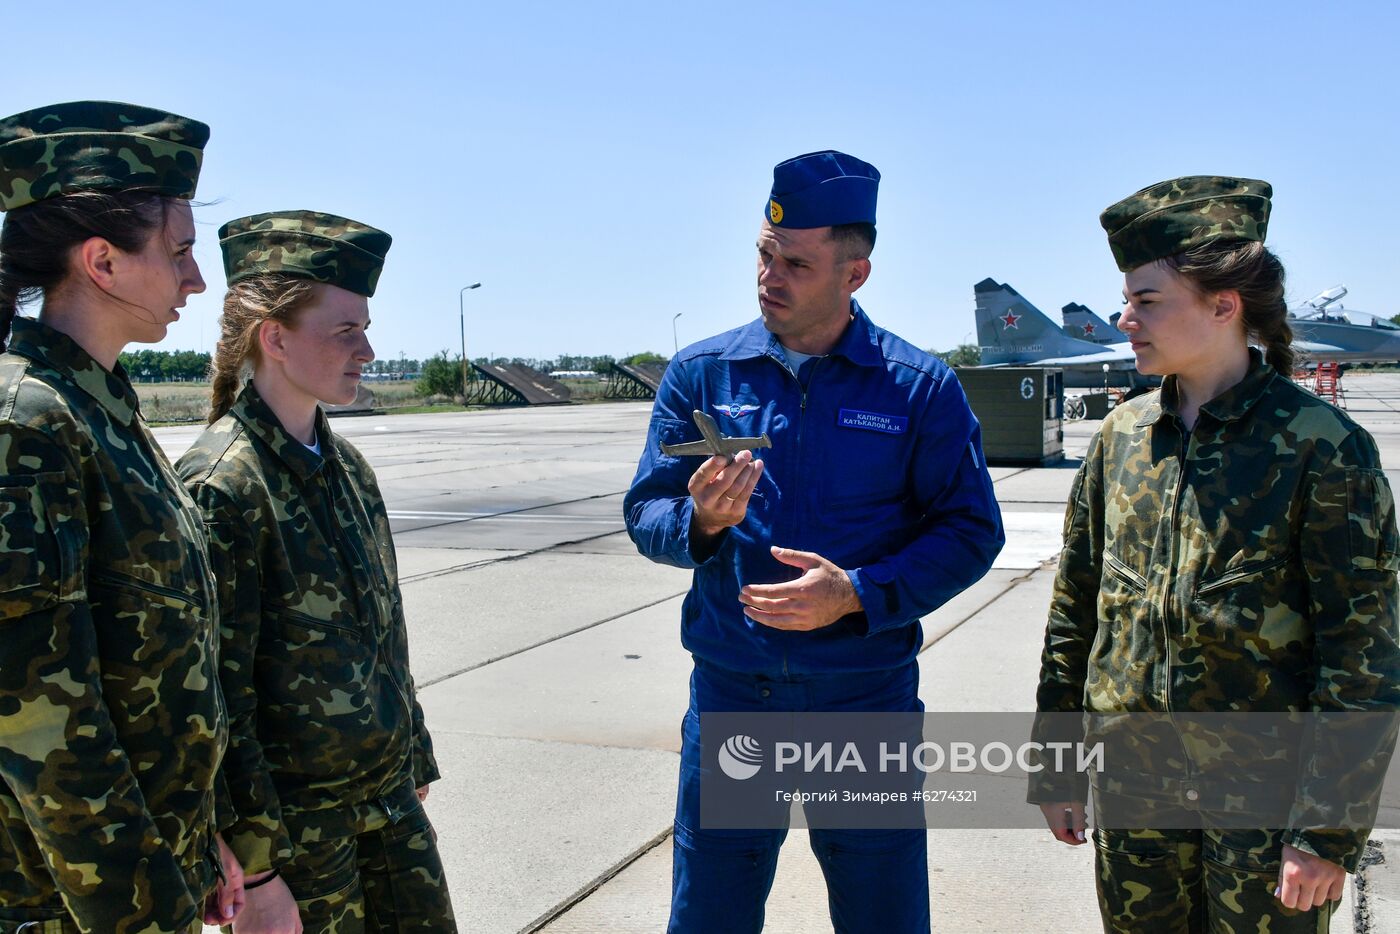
(314, 447)
(795, 359)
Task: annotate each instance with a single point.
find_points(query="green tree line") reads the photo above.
(440, 374)
(962, 355)
(164, 366)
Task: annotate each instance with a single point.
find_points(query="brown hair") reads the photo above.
(1255, 272)
(853, 241)
(36, 240)
(247, 304)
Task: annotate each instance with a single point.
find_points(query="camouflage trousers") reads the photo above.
(385, 881)
(1195, 882)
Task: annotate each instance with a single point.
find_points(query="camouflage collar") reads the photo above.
(56, 350)
(261, 421)
(1231, 404)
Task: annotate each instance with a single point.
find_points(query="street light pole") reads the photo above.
(675, 341)
(462, 319)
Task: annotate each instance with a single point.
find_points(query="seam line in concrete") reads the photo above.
(510, 512)
(563, 907)
(562, 635)
(1010, 585)
(452, 470)
(558, 741)
(428, 575)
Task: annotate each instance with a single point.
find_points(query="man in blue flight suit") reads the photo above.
(814, 565)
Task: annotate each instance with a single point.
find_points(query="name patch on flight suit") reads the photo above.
(872, 421)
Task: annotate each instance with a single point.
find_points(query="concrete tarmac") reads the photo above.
(548, 661)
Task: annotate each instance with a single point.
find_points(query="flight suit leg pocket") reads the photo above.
(1143, 883)
(325, 880)
(1241, 873)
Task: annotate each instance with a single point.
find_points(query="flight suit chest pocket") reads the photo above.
(1252, 572)
(306, 662)
(1118, 570)
(1371, 529)
(301, 621)
(866, 457)
(311, 574)
(42, 556)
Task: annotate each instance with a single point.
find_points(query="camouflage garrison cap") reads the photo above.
(330, 249)
(822, 189)
(1171, 217)
(97, 145)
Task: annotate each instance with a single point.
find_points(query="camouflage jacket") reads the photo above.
(111, 721)
(326, 734)
(1248, 565)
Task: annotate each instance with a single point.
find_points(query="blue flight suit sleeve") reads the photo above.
(961, 528)
(658, 506)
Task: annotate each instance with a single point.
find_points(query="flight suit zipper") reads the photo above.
(1170, 573)
(1169, 578)
(796, 485)
(379, 600)
(128, 582)
(802, 429)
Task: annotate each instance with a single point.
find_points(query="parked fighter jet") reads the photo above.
(1013, 332)
(713, 442)
(1083, 324)
(1327, 331)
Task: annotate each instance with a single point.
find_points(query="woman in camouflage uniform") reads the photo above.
(328, 758)
(1230, 546)
(111, 721)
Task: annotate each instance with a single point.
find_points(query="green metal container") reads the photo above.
(1021, 410)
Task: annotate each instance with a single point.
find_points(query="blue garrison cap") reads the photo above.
(823, 189)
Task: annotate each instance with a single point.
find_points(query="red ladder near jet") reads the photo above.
(1325, 384)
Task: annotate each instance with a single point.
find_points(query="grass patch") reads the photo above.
(393, 394)
(429, 409)
(173, 403)
(176, 403)
(188, 403)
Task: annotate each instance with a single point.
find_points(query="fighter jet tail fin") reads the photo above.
(1012, 330)
(1082, 324)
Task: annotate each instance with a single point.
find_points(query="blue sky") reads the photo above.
(601, 167)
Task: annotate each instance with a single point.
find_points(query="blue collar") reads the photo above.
(859, 343)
